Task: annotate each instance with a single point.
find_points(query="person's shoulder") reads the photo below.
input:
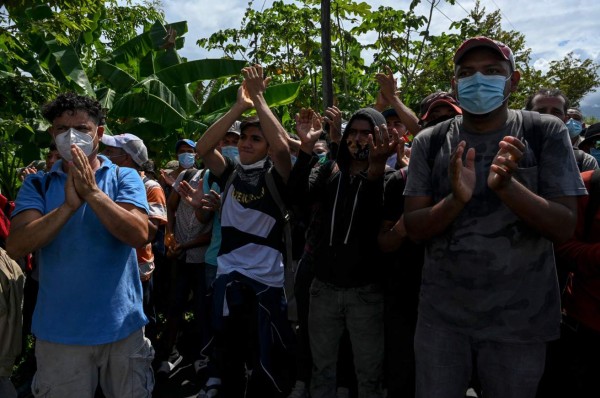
(552, 121)
(151, 184)
(125, 173)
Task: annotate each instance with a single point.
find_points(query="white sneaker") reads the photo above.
(210, 389)
(201, 364)
(299, 390)
(167, 367)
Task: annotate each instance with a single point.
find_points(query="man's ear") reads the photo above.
(514, 81)
(100, 132)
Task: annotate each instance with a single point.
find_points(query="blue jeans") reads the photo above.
(445, 360)
(360, 310)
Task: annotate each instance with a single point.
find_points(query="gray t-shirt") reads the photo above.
(489, 274)
(187, 226)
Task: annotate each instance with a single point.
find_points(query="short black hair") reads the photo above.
(71, 102)
(249, 122)
(547, 92)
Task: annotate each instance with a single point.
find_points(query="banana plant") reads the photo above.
(144, 85)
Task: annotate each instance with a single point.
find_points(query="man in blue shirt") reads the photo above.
(85, 216)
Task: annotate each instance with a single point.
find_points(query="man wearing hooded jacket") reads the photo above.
(345, 294)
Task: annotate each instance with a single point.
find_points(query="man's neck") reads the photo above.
(481, 124)
(94, 161)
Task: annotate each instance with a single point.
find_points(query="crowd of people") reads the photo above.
(343, 259)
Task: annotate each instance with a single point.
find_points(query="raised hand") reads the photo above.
(167, 178)
(462, 177)
(243, 97)
(387, 85)
(308, 126)
(190, 195)
(382, 144)
(333, 117)
(254, 82)
(211, 201)
(505, 162)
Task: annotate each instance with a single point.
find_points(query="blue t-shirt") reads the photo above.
(215, 241)
(89, 287)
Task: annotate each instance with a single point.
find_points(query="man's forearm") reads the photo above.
(30, 230)
(211, 138)
(124, 220)
(426, 222)
(553, 219)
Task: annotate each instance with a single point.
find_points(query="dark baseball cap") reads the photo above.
(436, 99)
(482, 41)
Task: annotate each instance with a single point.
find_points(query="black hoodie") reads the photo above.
(349, 209)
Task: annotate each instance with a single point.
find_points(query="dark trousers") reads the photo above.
(573, 364)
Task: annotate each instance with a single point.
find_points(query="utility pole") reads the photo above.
(326, 53)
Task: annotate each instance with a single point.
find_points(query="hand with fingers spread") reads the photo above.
(382, 144)
(190, 195)
(462, 176)
(387, 86)
(211, 201)
(505, 163)
(167, 178)
(84, 177)
(333, 117)
(254, 82)
(308, 127)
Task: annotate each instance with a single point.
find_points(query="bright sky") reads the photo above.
(552, 28)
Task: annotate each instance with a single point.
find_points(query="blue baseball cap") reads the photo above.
(184, 141)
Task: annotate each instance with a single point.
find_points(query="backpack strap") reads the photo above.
(532, 131)
(579, 157)
(593, 202)
(272, 188)
(438, 136)
(287, 225)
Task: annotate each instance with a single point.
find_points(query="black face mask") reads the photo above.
(438, 120)
(362, 152)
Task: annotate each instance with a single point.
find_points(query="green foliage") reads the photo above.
(126, 55)
(95, 48)
(286, 38)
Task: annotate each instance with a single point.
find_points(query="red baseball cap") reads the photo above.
(482, 41)
(434, 100)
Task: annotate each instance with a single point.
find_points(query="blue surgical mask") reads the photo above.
(186, 160)
(595, 153)
(480, 94)
(322, 157)
(574, 127)
(231, 152)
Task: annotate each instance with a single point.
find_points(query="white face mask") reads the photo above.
(64, 141)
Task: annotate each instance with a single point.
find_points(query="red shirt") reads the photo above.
(581, 298)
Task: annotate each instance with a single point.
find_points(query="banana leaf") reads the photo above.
(203, 69)
(117, 78)
(149, 107)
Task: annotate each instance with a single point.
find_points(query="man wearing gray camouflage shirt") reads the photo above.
(489, 207)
